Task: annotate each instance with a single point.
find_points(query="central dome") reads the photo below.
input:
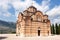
(32, 9)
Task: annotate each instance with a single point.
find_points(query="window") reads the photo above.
(44, 21)
(31, 19)
(38, 18)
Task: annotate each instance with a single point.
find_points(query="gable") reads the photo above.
(39, 13)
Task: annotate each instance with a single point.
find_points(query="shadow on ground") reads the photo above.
(1, 38)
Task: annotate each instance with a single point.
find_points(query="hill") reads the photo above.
(7, 27)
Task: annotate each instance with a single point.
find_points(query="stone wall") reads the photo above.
(33, 23)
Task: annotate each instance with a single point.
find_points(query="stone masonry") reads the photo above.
(32, 22)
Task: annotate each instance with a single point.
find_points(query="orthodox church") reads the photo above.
(32, 22)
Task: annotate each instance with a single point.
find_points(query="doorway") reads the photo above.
(38, 32)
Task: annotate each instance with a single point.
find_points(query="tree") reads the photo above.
(56, 28)
(59, 29)
(52, 29)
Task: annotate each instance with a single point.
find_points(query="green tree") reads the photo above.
(59, 29)
(56, 28)
(52, 29)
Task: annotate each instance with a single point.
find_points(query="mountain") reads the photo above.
(7, 27)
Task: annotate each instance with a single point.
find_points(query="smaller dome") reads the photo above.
(46, 15)
(27, 13)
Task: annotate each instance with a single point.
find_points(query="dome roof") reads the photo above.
(32, 7)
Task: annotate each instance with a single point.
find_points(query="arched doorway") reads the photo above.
(38, 32)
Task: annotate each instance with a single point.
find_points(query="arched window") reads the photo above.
(38, 18)
(44, 20)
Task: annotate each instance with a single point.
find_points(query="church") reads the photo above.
(32, 22)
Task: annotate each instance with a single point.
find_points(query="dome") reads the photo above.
(27, 13)
(32, 9)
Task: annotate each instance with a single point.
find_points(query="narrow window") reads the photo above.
(48, 32)
(44, 20)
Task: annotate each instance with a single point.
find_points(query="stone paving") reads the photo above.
(14, 37)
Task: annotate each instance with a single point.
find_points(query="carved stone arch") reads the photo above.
(25, 13)
(32, 9)
(39, 15)
(33, 17)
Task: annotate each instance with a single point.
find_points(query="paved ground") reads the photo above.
(14, 37)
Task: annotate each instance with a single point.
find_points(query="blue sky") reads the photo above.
(9, 9)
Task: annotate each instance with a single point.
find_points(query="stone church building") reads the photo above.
(32, 22)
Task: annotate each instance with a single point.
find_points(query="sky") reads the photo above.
(9, 9)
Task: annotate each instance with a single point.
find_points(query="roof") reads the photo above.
(32, 7)
(46, 15)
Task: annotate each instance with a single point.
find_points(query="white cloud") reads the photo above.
(54, 11)
(20, 6)
(4, 8)
(56, 21)
(6, 14)
(43, 7)
(54, 14)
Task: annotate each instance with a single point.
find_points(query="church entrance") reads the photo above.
(38, 32)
